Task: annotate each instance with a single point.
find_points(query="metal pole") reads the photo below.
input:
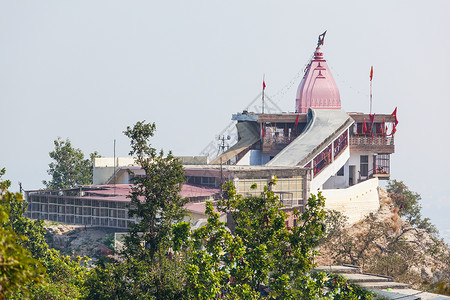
(263, 101)
(221, 177)
(370, 96)
(114, 167)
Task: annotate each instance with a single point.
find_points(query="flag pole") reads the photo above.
(371, 96)
(371, 76)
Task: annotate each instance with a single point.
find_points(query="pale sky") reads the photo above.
(87, 69)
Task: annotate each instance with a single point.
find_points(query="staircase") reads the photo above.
(383, 286)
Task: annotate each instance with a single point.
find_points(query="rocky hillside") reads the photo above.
(79, 240)
(386, 244)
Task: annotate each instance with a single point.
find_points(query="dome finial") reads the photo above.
(321, 39)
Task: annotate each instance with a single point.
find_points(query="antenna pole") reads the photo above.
(371, 77)
(263, 101)
(114, 167)
(370, 96)
(221, 177)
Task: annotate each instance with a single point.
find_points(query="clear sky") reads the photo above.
(87, 69)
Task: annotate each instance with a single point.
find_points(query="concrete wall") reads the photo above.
(100, 175)
(102, 162)
(335, 181)
(104, 168)
(356, 201)
(289, 190)
(355, 161)
(254, 158)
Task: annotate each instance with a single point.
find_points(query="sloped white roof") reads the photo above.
(324, 125)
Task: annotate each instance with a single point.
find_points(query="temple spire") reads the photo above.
(317, 89)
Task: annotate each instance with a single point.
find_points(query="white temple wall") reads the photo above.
(254, 158)
(336, 181)
(355, 160)
(101, 174)
(355, 202)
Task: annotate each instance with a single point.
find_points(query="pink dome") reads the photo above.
(317, 88)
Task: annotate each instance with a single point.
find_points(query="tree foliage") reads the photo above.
(163, 259)
(335, 222)
(131, 278)
(69, 168)
(55, 276)
(152, 263)
(392, 246)
(265, 259)
(18, 269)
(409, 206)
(155, 199)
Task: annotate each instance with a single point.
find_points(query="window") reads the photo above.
(340, 172)
(364, 165)
(200, 180)
(381, 164)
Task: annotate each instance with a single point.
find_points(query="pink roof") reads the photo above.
(317, 88)
(192, 191)
(108, 192)
(121, 191)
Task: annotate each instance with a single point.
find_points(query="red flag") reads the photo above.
(371, 73)
(264, 84)
(365, 126)
(296, 122)
(394, 130)
(394, 114)
(264, 130)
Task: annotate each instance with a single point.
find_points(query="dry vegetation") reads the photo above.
(384, 243)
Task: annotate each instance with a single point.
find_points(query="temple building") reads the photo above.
(340, 149)
(319, 147)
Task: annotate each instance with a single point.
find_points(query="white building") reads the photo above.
(317, 147)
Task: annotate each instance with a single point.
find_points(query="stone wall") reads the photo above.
(355, 202)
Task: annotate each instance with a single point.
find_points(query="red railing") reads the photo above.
(340, 143)
(322, 160)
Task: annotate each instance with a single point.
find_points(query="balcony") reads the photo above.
(276, 142)
(380, 168)
(379, 144)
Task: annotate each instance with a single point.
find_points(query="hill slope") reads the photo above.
(386, 244)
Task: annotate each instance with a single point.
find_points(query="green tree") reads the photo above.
(17, 267)
(409, 206)
(161, 278)
(62, 276)
(69, 167)
(155, 199)
(335, 222)
(265, 258)
(154, 257)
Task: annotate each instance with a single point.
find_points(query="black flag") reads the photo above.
(321, 39)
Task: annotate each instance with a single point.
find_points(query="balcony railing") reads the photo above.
(277, 139)
(377, 140)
